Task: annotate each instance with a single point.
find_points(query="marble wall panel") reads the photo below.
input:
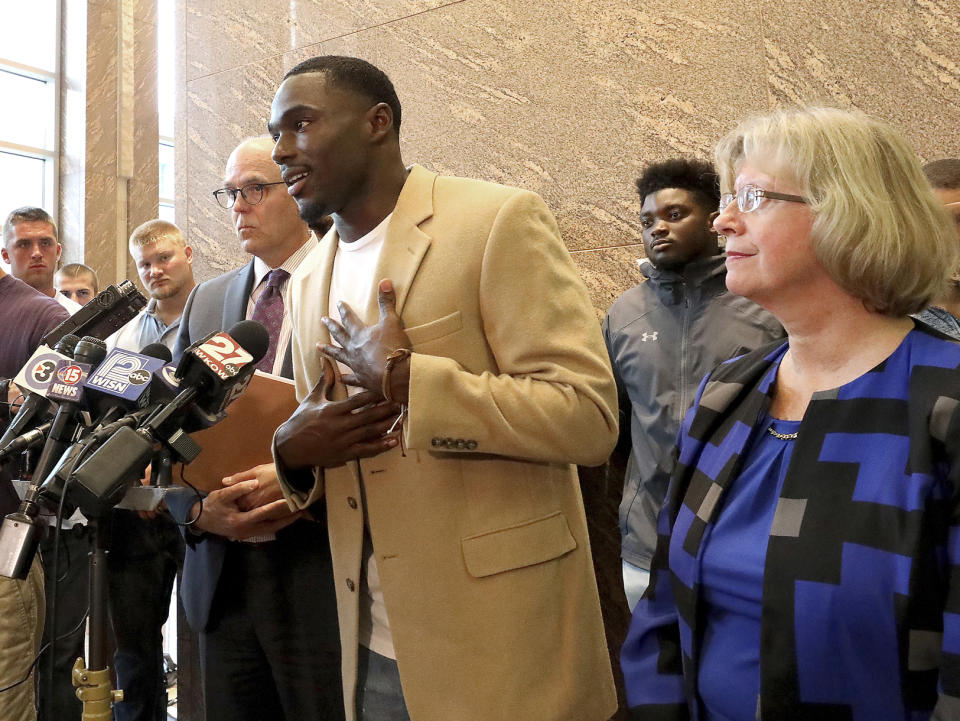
(102, 70)
(224, 34)
(111, 167)
(607, 272)
(104, 242)
(221, 110)
(894, 59)
(565, 100)
(143, 189)
(568, 99)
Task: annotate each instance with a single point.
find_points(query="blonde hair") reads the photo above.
(75, 270)
(878, 230)
(153, 230)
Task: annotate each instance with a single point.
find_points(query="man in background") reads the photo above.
(77, 281)
(25, 317)
(944, 176)
(164, 263)
(257, 582)
(666, 333)
(31, 249)
(146, 551)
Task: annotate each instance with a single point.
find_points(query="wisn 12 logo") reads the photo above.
(124, 374)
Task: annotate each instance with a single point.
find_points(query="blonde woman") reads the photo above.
(811, 528)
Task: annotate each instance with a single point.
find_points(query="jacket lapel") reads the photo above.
(320, 304)
(235, 299)
(405, 245)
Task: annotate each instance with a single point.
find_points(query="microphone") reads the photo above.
(34, 378)
(103, 315)
(25, 441)
(67, 387)
(212, 373)
(18, 534)
(124, 378)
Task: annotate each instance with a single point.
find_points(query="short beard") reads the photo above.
(164, 293)
(313, 215)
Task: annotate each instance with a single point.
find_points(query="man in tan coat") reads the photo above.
(465, 589)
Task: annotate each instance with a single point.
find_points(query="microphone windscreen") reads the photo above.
(252, 337)
(158, 350)
(67, 344)
(90, 350)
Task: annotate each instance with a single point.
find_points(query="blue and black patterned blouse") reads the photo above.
(860, 598)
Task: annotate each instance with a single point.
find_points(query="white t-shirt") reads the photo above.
(353, 283)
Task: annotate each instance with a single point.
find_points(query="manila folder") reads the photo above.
(242, 440)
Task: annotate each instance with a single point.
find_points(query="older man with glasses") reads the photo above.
(257, 581)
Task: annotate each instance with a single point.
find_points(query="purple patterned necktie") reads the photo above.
(268, 310)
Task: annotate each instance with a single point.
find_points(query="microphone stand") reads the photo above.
(95, 684)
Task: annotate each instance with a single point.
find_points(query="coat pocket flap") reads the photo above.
(525, 544)
(437, 328)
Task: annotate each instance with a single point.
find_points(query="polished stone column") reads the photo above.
(109, 133)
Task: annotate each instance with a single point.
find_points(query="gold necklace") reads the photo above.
(781, 436)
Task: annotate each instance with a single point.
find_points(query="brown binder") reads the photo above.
(242, 439)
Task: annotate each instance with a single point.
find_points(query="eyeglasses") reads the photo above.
(748, 198)
(251, 192)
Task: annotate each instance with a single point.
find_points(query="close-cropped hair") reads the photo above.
(943, 174)
(691, 174)
(355, 75)
(153, 230)
(878, 229)
(76, 270)
(26, 214)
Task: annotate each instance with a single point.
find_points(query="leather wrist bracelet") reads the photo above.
(388, 365)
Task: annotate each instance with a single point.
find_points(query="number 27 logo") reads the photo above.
(225, 350)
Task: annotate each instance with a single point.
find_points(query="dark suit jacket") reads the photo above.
(214, 305)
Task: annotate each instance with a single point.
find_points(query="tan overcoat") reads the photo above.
(479, 532)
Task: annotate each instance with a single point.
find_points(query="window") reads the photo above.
(166, 60)
(29, 125)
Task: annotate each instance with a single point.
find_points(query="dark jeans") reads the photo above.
(271, 649)
(143, 562)
(58, 700)
(379, 694)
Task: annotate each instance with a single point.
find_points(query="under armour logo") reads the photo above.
(649, 336)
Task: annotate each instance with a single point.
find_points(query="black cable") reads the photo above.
(200, 499)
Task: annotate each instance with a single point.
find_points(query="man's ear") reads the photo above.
(188, 252)
(5, 255)
(59, 251)
(712, 217)
(380, 117)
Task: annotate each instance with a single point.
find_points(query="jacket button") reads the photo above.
(436, 442)
(352, 502)
(461, 444)
(350, 584)
(471, 445)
